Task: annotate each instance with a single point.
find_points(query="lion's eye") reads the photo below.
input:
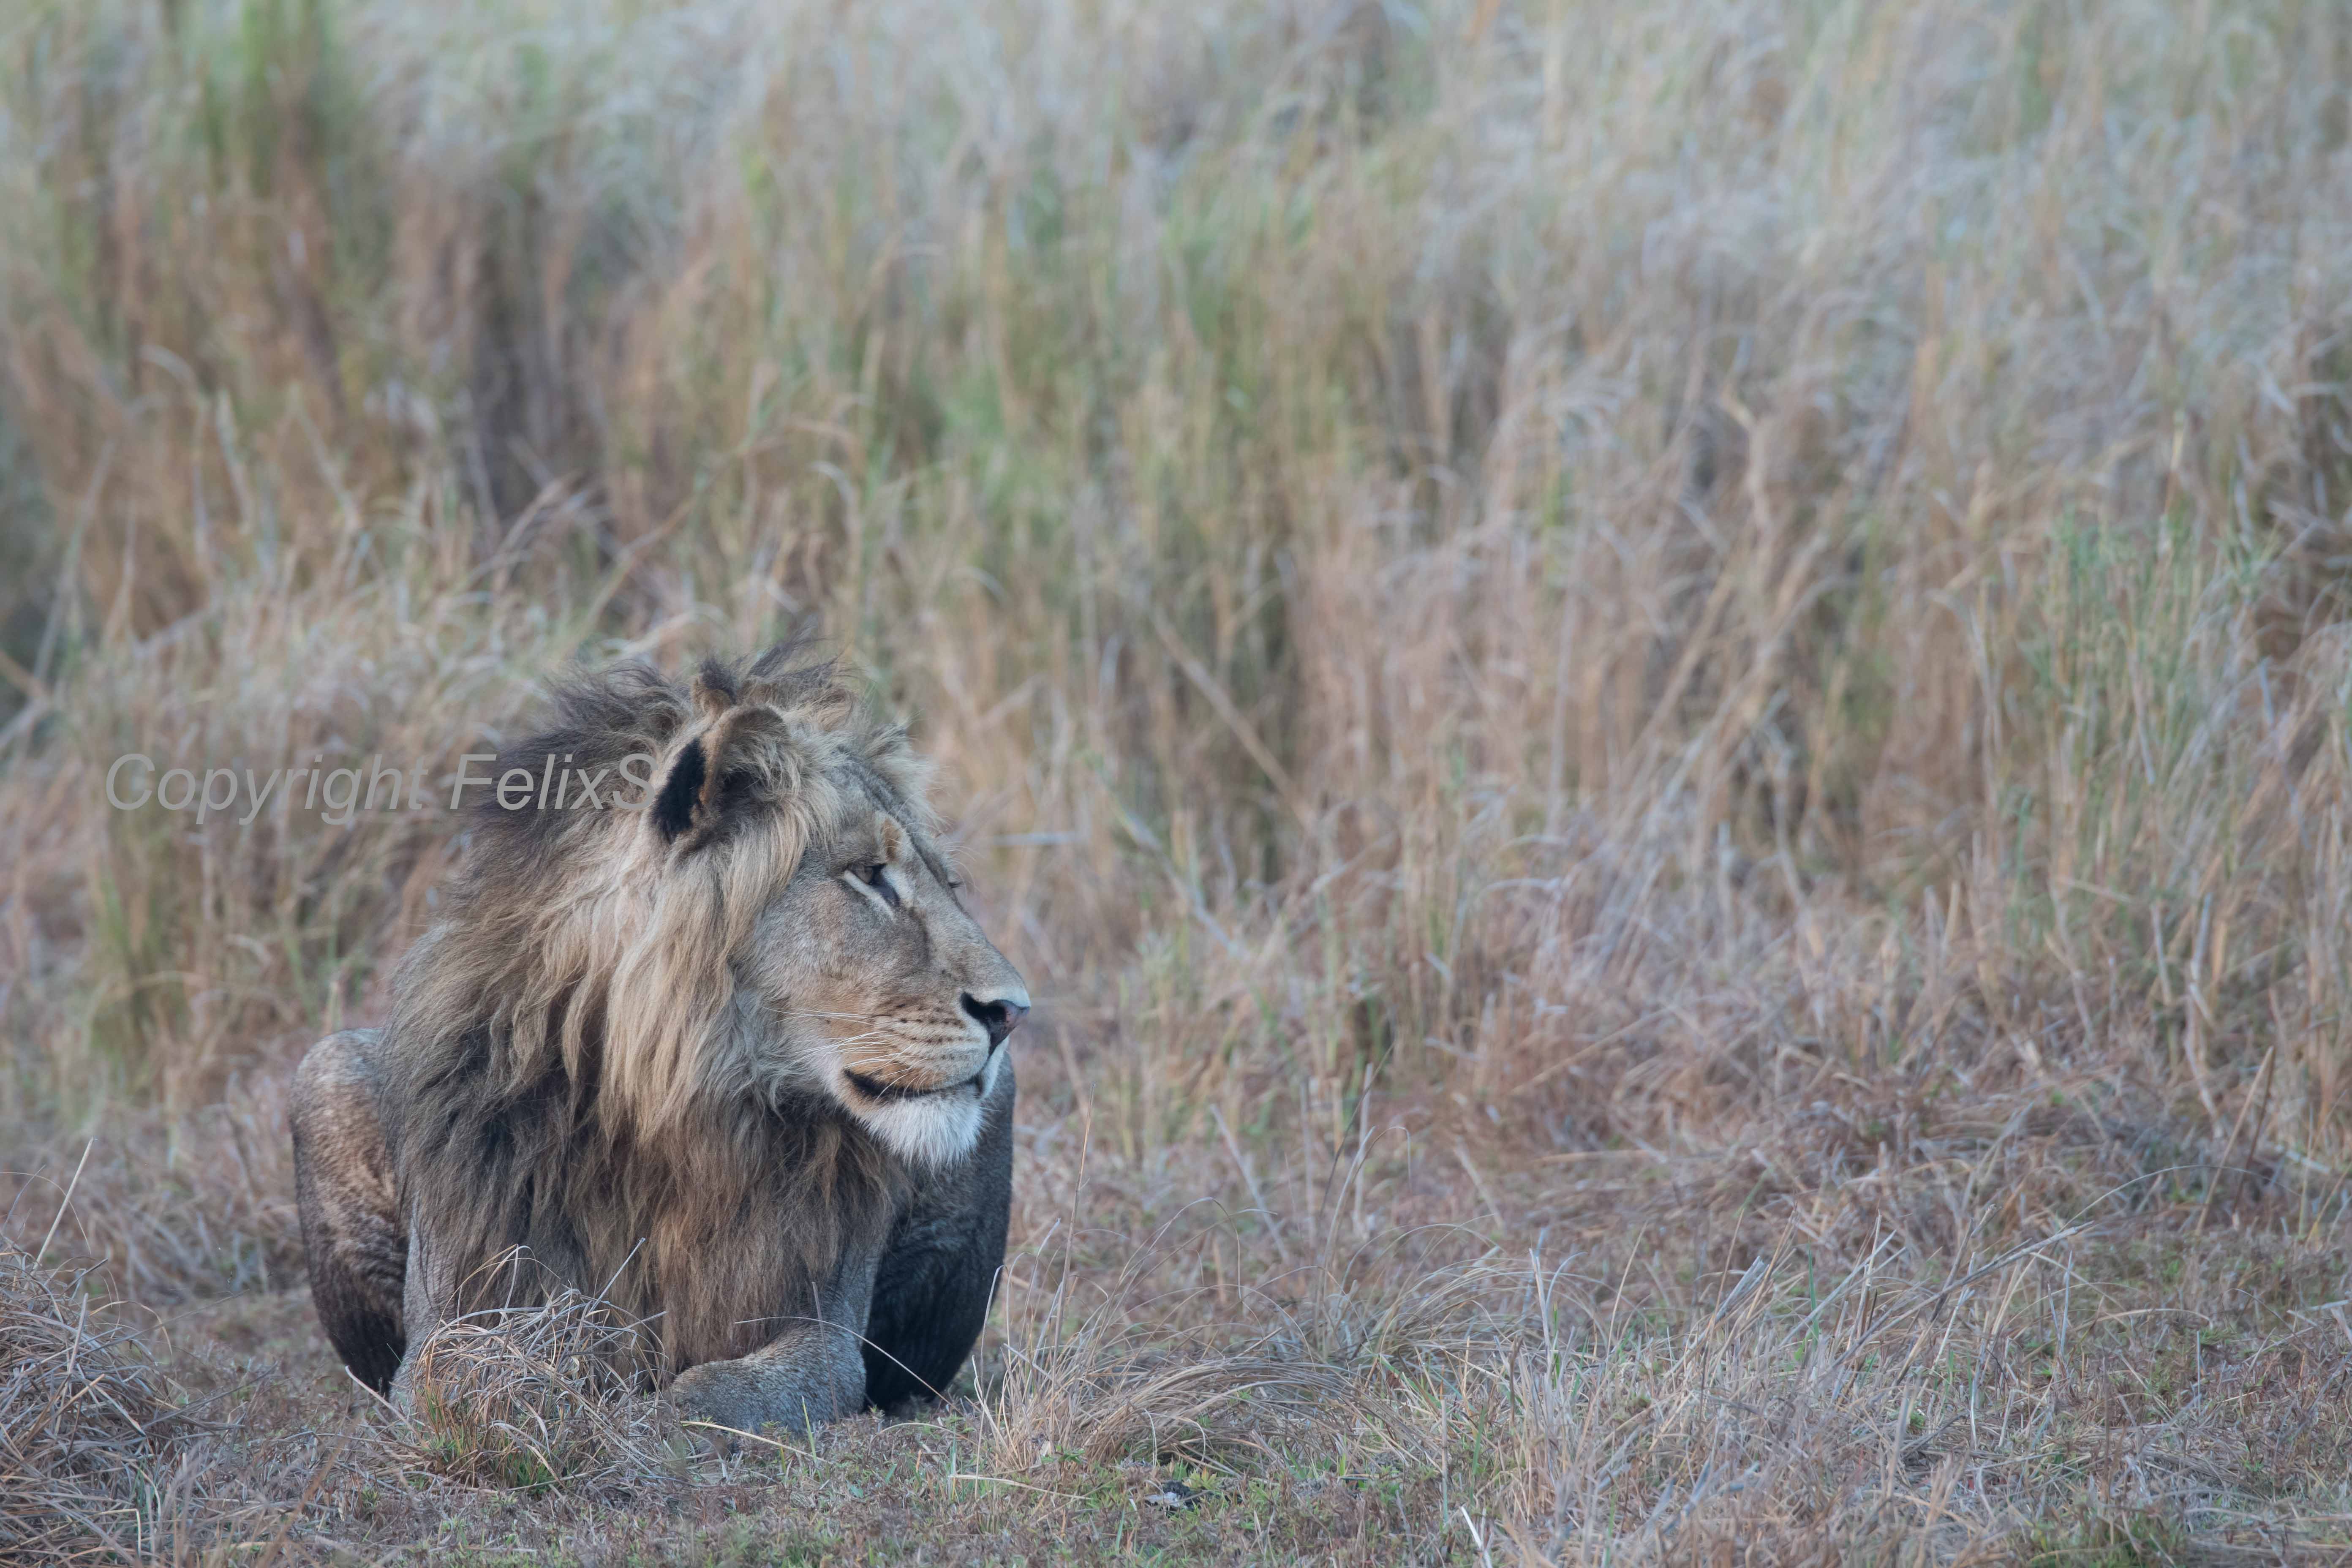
(877, 876)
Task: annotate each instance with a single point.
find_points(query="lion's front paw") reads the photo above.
(748, 1394)
(723, 1393)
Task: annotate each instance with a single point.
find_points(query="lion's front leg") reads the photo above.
(813, 1372)
(931, 1294)
(805, 1376)
(429, 1301)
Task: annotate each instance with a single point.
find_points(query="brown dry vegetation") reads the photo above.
(1657, 694)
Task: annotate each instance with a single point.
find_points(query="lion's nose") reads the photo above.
(999, 1018)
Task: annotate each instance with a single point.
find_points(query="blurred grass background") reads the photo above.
(1583, 577)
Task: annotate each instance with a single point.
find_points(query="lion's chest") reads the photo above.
(730, 1264)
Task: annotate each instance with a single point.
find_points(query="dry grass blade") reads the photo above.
(1205, 1408)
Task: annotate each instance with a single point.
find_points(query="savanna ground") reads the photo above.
(1657, 694)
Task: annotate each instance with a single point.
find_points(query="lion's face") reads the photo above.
(883, 989)
(789, 844)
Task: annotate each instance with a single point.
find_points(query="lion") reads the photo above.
(731, 1056)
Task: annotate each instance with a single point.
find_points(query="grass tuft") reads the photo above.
(532, 1399)
(92, 1434)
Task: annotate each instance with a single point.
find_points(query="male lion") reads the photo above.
(732, 1060)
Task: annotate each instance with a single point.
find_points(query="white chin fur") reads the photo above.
(929, 1131)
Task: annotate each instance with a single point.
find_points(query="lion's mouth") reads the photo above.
(874, 1089)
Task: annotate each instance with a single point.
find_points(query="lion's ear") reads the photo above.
(673, 811)
(748, 755)
(714, 690)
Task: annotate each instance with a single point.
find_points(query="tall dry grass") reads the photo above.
(1545, 620)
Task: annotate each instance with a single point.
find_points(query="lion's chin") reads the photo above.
(931, 1130)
